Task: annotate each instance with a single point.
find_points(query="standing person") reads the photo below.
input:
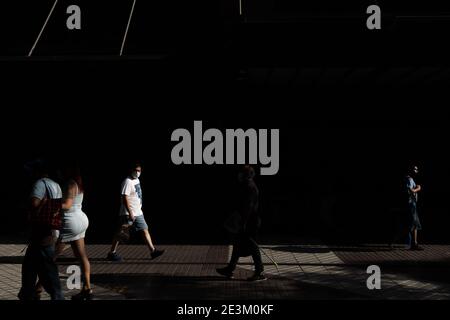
(413, 198)
(131, 214)
(248, 223)
(74, 226)
(46, 204)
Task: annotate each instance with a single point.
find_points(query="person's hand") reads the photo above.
(132, 217)
(43, 202)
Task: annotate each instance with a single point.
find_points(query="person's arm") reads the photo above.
(412, 186)
(70, 193)
(249, 206)
(37, 197)
(126, 203)
(35, 203)
(245, 214)
(126, 192)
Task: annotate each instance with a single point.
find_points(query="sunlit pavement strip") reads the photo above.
(302, 263)
(10, 276)
(302, 272)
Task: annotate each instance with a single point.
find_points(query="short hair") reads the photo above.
(134, 164)
(411, 166)
(41, 166)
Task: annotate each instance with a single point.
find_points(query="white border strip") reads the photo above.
(43, 28)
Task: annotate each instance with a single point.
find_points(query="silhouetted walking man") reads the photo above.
(248, 223)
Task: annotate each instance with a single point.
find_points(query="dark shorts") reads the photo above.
(138, 225)
(415, 221)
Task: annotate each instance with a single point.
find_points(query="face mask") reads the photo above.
(136, 174)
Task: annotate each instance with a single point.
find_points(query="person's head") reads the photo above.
(135, 170)
(72, 172)
(38, 169)
(246, 173)
(413, 170)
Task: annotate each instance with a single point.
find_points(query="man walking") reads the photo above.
(131, 215)
(248, 225)
(45, 219)
(413, 198)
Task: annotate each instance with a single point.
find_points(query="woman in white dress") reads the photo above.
(74, 226)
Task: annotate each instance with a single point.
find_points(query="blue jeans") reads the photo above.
(414, 223)
(39, 262)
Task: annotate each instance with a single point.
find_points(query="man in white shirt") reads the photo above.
(131, 214)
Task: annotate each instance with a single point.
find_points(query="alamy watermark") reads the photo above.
(74, 279)
(235, 146)
(373, 22)
(374, 280)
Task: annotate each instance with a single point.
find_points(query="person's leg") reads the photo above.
(234, 258)
(141, 226)
(148, 240)
(115, 243)
(49, 274)
(411, 212)
(229, 269)
(59, 248)
(112, 255)
(235, 255)
(79, 250)
(256, 255)
(409, 239)
(415, 237)
(398, 230)
(29, 274)
(123, 221)
(254, 250)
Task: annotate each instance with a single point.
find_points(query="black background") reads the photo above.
(353, 106)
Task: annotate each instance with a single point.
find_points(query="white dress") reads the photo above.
(75, 222)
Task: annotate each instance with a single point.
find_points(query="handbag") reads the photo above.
(124, 233)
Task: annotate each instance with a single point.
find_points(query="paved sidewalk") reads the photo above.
(301, 272)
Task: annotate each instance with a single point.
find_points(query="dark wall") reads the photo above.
(343, 147)
(343, 151)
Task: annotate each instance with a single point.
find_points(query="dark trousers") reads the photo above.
(39, 262)
(399, 226)
(246, 245)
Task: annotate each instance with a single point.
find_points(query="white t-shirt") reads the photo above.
(40, 191)
(132, 189)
